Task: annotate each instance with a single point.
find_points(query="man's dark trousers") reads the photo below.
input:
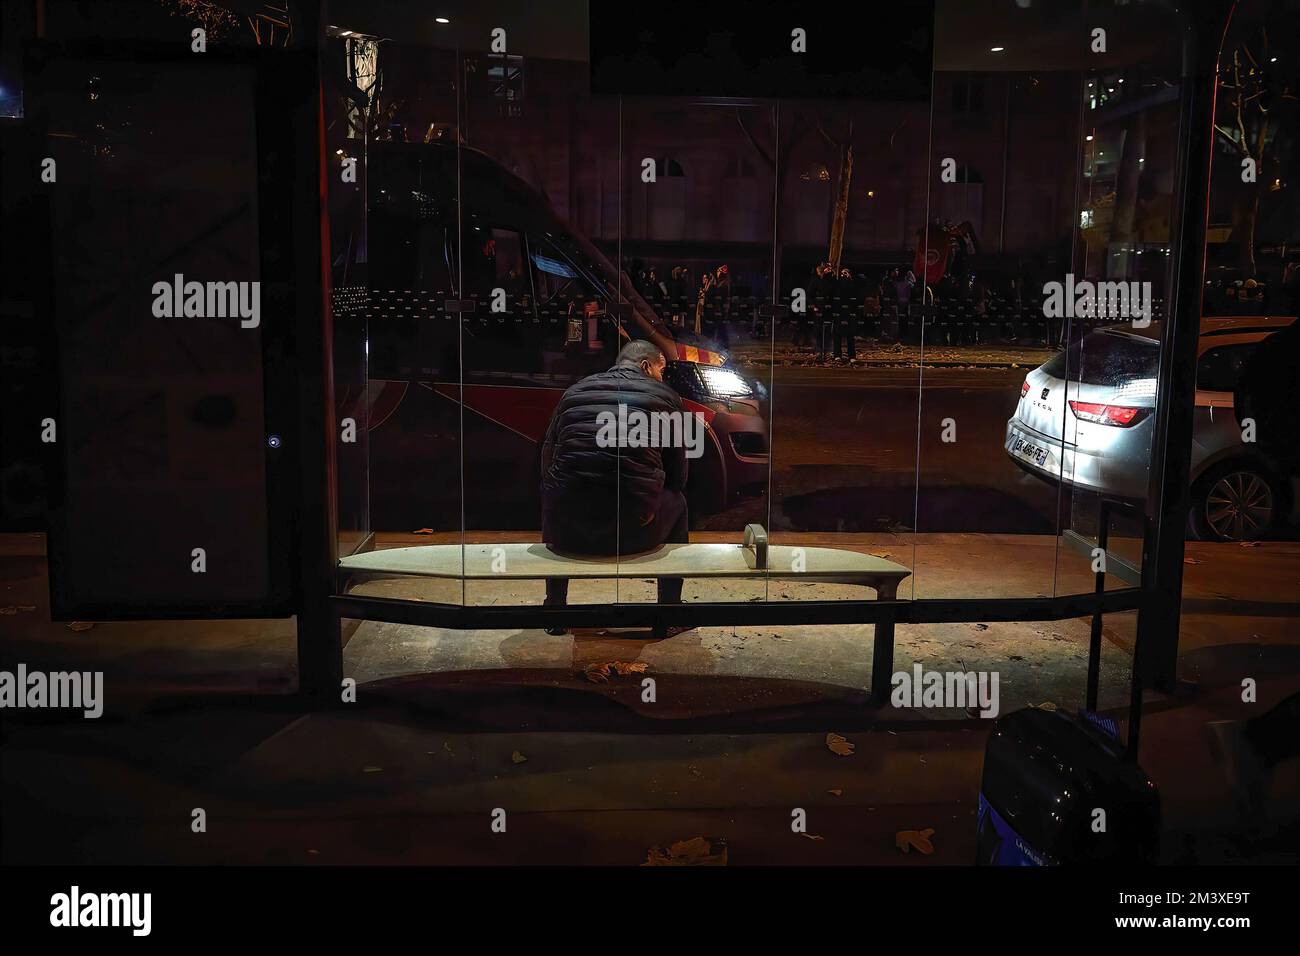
(565, 531)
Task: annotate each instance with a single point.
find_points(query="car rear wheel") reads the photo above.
(1236, 502)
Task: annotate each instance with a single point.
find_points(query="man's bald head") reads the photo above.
(645, 356)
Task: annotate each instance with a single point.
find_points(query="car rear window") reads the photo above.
(1102, 358)
(1220, 368)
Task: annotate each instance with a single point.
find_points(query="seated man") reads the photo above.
(602, 498)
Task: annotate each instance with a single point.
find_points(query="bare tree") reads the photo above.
(268, 21)
(779, 162)
(839, 220)
(1258, 108)
(214, 18)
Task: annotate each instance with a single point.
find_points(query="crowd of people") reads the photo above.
(835, 301)
(688, 295)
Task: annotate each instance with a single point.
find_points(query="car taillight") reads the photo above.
(1024, 389)
(1100, 414)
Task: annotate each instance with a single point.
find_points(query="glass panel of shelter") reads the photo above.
(850, 200)
(350, 126)
(413, 282)
(539, 164)
(513, 244)
(697, 245)
(1001, 176)
(1114, 298)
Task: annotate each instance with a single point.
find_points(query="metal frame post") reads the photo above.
(1168, 496)
(320, 638)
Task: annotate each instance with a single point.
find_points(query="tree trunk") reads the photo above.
(1248, 233)
(1124, 225)
(840, 218)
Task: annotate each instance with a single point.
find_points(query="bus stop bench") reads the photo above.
(753, 559)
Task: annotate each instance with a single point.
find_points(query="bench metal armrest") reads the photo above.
(756, 540)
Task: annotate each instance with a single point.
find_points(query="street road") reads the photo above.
(846, 455)
(853, 449)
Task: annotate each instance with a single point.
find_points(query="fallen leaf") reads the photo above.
(517, 757)
(839, 745)
(837, 792)
(1249, 544)
(79, 625)
(598, 672)
(694, 852)
(906, 839)
(1047, 705)
(812, 836)
(423, 531)
(1190, 560)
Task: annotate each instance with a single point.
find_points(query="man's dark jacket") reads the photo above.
(592, 495)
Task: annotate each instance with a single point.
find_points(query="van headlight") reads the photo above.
(712, 383)
(723, 383)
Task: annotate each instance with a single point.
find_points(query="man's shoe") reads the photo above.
(555, 631)
(662, 632)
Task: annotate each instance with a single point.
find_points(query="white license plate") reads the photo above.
(1030, 451)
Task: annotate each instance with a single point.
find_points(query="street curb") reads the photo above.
(883, 363)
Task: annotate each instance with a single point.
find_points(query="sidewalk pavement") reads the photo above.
(450, 726)
(763, 353)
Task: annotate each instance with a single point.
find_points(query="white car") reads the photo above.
(1086, 418)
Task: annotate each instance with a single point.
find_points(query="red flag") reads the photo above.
(931, 257)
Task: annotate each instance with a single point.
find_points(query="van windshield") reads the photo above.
(617, 284)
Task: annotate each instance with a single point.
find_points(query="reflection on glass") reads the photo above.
(1001, 186)
(695, 221)
(1113, 312)
(537, 155)
(844, 338)
(395, 221)
(900, 322)
(1240, 457)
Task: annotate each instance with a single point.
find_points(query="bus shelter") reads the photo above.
(452, 226)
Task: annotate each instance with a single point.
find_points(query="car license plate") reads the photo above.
(1028, 450)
